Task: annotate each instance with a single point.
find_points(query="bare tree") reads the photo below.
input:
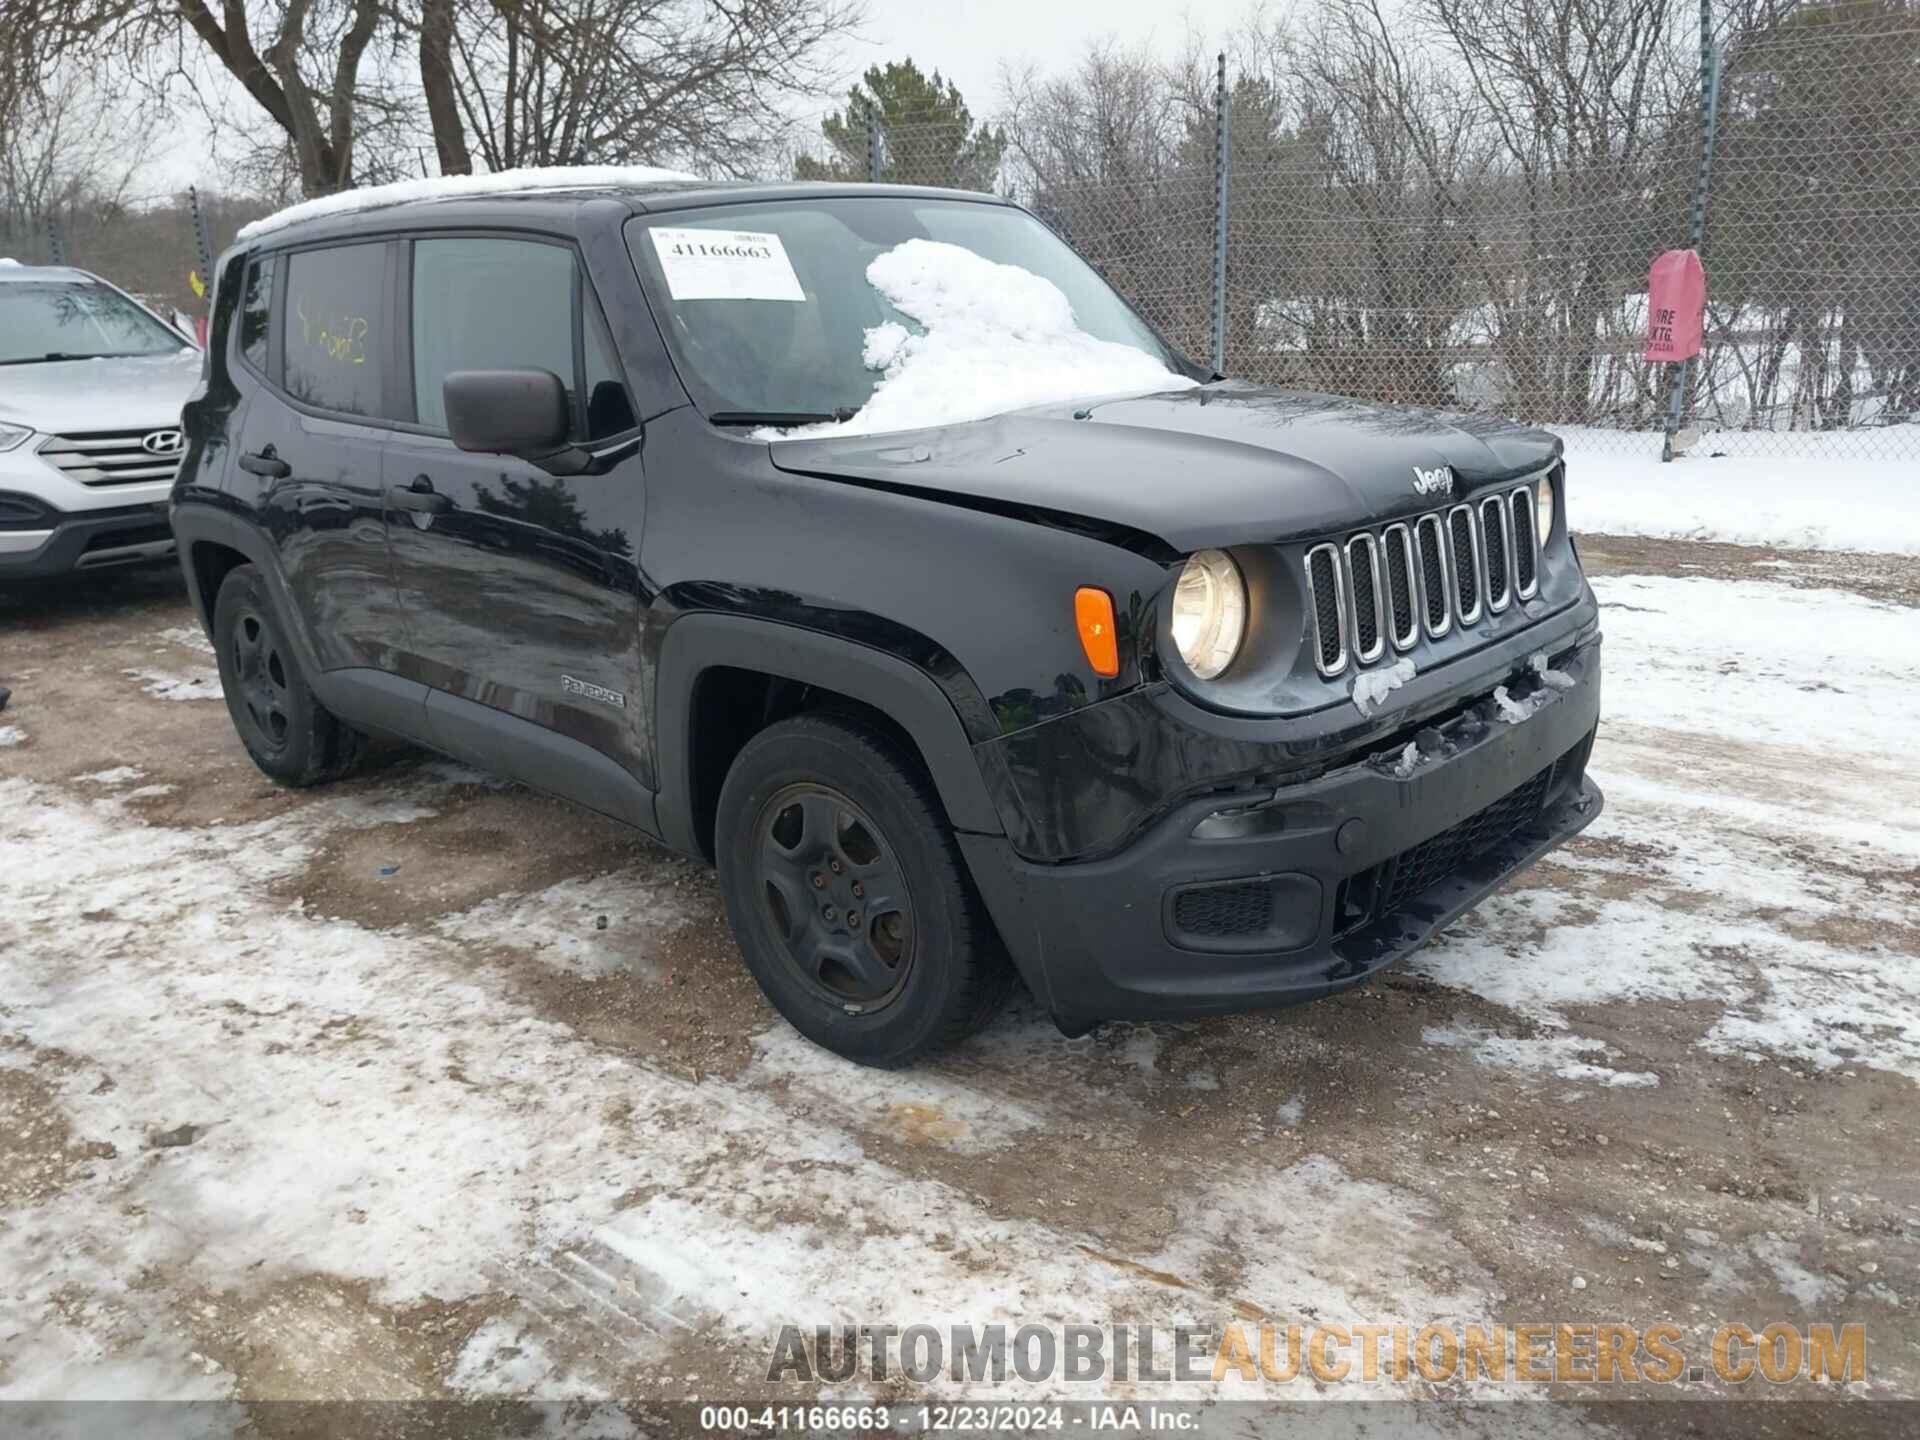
(353, 87)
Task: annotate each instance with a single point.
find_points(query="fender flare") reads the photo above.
(705, 640)
(197, 524)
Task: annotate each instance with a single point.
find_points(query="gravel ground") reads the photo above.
(423, 1086)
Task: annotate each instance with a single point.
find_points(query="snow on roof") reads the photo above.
(8, 260)
(454, 187)
(996, 338)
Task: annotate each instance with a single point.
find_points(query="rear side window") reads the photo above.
(486, 304)
(335, 329)
(256, 311)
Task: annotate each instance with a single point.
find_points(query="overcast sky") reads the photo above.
(969, 40)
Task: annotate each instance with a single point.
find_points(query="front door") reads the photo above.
(520, 589)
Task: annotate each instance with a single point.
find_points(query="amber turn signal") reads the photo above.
(1093, 613)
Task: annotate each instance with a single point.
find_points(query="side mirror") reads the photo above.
(507, 412)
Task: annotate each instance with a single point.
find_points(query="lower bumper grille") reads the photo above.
(1384, 888)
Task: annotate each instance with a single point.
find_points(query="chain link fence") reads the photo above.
(1402, 220)
(1395, 235)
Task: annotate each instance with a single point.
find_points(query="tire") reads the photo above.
(289, 734)
(822, 814)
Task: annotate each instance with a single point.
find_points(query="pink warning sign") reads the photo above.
(1676, 301)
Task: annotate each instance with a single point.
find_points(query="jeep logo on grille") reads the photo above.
(164, 442)
(1437, 481)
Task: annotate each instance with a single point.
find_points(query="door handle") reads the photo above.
(265, 462)
(420, 495)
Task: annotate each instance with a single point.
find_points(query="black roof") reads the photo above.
(549, 209)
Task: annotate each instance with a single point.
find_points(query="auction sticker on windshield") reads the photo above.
(725, 265)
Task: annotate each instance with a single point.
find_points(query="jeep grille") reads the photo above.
(1375, 591)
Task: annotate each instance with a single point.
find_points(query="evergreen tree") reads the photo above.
(927, 136)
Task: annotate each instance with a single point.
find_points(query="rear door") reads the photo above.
(312, 440)
(520, 588)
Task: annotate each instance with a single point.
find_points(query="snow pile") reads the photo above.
(1795, 501)
(995, 338)
(459, 187)
(11, 735)
(1371, 687)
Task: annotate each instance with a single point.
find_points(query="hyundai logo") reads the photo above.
(164, 442)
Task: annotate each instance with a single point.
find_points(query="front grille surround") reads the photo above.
(1436, 575)
(1526, 543)
(1383, 590)
(108, 457)
(1326, 580)
(1463, 543)
(1396, 542)
(1496, 542)
(1368, 599)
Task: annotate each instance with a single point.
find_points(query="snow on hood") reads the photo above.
(453, 187)
(117, 392)
(996, 338)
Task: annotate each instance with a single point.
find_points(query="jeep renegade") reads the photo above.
(1186, 699)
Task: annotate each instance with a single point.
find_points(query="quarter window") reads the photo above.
(256, 311)
(484, 304)
(335, 328)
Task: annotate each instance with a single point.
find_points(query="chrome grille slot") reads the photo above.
(1464, 548)
(1526, 545)
(110, 457)
(1435, 575)
(1329, 609)
(1403, 617)
(1363, 570)
(1498, 547)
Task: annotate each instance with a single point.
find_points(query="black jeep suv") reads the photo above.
(1181, 695)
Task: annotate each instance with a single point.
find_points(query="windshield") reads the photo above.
(75, 321)
(801, 310)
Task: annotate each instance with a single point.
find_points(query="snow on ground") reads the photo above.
(1803, 502)
(1716, 692)
(458, 187)
(993, 338)
(199, 682)
(385, 1113)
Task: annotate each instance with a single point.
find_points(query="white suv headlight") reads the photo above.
(1209, 612)
(12, 436)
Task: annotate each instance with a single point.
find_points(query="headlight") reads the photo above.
(1543, 511)
(1209, 612)
(11, 436)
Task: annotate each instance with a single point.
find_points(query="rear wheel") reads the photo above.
(848, 896)
(289, 734)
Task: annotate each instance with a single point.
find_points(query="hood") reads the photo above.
(65, 397)
(1222, 465)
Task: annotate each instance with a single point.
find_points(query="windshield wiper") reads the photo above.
(781, 417)
(69, 355)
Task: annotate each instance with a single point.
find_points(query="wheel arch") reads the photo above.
(210, 544)
(702, 651)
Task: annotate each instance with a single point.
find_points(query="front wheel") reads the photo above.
(848, 896)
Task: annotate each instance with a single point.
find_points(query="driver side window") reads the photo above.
(487, 304)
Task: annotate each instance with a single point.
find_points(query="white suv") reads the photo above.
(91, 385)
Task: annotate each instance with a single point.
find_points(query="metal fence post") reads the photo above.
(1222, 162)
(56, 243)
(873, 146)
(203, 247)
(1697, 212)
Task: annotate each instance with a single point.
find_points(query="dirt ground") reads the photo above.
(424, 1086)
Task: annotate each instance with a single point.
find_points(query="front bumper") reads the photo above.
(1275, 895)
(66, 541)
